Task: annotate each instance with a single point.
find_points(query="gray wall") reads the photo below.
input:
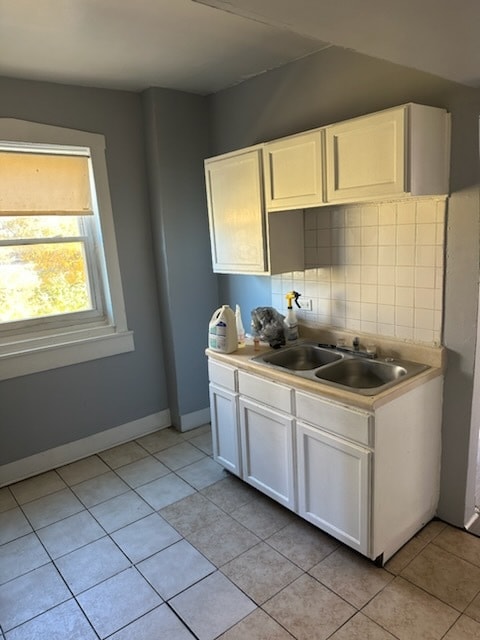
(48, 409)
(336, 84)
(177, 141)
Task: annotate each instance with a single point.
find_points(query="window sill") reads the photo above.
(23, 362)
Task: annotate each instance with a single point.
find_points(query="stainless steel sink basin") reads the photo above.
(302, 357)
(344, 370)
(360, 373)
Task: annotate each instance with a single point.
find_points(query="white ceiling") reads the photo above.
(203, 46)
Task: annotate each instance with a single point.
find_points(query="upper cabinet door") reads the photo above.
(365, 157)
(398, 152)
(236, 212)
(294, 172)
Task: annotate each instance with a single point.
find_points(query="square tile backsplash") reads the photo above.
(375, 268)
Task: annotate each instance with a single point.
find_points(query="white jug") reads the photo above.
(222, 330)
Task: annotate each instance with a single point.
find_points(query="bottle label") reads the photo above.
(221, 336)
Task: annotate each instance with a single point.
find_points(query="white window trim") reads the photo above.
(71, 345)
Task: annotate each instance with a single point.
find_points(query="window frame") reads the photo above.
(54, 341)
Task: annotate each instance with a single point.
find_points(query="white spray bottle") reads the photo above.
(240, 329)
(291, 318)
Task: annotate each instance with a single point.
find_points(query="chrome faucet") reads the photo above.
(355, 348)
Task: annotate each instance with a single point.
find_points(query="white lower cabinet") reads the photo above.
(333, 485)
(267, 451)
(370, 478)
(225, 435)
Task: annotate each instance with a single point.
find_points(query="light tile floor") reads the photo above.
(152, 540)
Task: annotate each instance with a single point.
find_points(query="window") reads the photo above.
(61, 300)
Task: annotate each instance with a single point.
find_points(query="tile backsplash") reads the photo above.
(375, 268)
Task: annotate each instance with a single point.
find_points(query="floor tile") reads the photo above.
(117, 512)
(118, 601)
(351, 576)
(161, 623)
(145, 537)
(82, 470)
(7, 501)
(302, 543)
(13, 524)
(180, 455)
(174, 569)
(161, 439)
(37, 487)
(230, 493)
(464, 629)
(431, 530)
(261, 572)
(142, 471)
(292, 608)
(70, 534)
(412, 548)
(427, 617)
(444, 575)
(197, 431)
(101, 488)
(91, 564)
(361, 628)
(65, 621)
(263, 516)
(202, 473)
(123, 454)
(31, 594)
(21, 556)
(212, 606)
(52, 508)
(256, 626)
(234, 538)
(405, 555)
(191, 513)
(473, 610)
(461, 543)
(165, 491)
(203, 442)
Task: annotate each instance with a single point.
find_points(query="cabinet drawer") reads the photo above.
(353, 424)
(270, 393)
(222, 375)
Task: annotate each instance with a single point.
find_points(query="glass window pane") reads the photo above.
(28, 227)
(43, 280)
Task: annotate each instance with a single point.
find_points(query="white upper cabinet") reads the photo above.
(235, 209)
(244, 239)
(256, 195)
(392, 153)
(294, 172)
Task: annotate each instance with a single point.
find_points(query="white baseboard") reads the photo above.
(194, 419)
(66, 453)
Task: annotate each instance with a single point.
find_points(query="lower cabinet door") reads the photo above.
(267, 451)
(333, 485)
(225, 432)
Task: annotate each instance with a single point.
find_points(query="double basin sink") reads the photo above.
(345, 370)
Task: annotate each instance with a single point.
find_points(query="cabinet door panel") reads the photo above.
(333, 485)
(366, 157)
(267, 451)
(294, 172)
(225, 433)
(236, 214)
